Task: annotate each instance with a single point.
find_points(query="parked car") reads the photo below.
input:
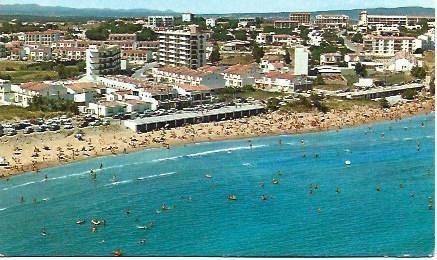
(28, 130)
(10, 131)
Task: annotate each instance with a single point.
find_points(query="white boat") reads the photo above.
(96, 222)
(347, 162)
(80, 222)
(141, 227)
(208, 176)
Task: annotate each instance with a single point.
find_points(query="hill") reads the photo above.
(58, 11)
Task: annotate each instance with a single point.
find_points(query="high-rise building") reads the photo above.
(182, 48)
(401, 20)
(102, 60)
(300, 17)
(300, 61)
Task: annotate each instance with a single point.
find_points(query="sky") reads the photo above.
(228, 6)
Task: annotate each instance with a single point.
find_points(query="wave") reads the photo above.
(155, 175)
(166, 159)
(118, 182)
(20, 185)
(225, 150)
(3, 209)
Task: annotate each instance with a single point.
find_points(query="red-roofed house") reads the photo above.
(240, 75)
(26, 91)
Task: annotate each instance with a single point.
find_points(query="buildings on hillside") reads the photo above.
(44, 38)
(160, 21)
(182, 48)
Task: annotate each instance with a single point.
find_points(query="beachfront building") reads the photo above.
(24, 93)
(160, 21)
(387, 45)
(185, 48)
(240, 75)
(187, 17)
(208, 76)
(333, 58)
(83, 92)
(336, 21)
(198, 94)
(282, 82)
(44, 38)
(102, 60)
(300, 61)
(6, 94)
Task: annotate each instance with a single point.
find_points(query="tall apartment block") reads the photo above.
(300, 17)
(182, 48)
(160, 21)
(102, 60)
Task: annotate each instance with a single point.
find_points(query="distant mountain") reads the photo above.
(353, 14)
(58, 11)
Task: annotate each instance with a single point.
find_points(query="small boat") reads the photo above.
(232, 197)
(142, 227)
(263, 197)
(117, 252)
(80, 222)
(347, 162)
(43, 232)
(208, 176)
(275, 181)
(96, 222)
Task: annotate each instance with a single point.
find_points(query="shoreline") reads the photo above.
(268, 124)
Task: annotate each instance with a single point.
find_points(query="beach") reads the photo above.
(37, 151)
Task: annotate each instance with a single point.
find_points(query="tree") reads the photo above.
(287, 58)
(418, 72)
(383, 102)
(97, 34)
(358, 38)
(257, 52)
(62, 72)
(409, 94)
(432, 86)
(360, 69)
(241, 35)
(147, 35)
(215, 55)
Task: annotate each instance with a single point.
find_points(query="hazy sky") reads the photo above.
(228, 6)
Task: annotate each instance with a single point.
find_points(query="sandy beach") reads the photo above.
(40, 150)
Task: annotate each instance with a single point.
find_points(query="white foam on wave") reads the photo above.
(407, 139)
(155, 175)
(247, 164)
(225, 150)
(166, 159)
(21, 185)
(118, 182)
(3, 209)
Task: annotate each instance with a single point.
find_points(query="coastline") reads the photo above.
(116, 139)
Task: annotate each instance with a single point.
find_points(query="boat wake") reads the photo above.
(155, 175)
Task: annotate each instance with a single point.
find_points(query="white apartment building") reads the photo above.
(160, 21)
(187, 17)
(300, 61)
(239, 75)
(332, 20)
(185, 48)
(210, 22)
(102, 60)
(387, 45)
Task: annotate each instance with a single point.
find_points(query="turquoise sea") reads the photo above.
(377, 206)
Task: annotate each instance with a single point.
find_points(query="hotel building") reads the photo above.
(102, 60)
(182, 48)
(387, 45)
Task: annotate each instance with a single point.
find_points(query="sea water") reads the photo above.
(376, 206)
